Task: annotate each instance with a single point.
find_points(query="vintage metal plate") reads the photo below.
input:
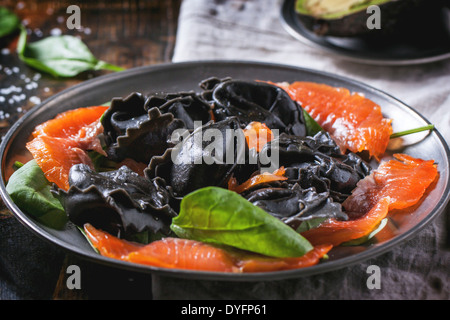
(186, 76)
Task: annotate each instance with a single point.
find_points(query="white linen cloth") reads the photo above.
(251, 30)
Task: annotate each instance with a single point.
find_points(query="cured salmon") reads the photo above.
(355, 122)
(55, 156)
(404, 179)
(72, 124)
(257, 135)
(195, 255)
(59, 143)
(396, 184)
(265, 177)
(335, 232)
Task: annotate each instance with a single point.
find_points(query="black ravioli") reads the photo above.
(123, 114)
(151, 137)
(186, 106)
(306, 165)
(293, 204)
(186, 167)
(120, 202)
(256, 101)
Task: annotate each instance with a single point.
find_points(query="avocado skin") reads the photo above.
(398, 17)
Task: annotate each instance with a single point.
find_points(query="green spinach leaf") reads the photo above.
(310, 224)
(221, 216)
(312, 127)
(60, 56)
(9, 22)
(31, 192)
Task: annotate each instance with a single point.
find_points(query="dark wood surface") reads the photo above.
(127, 33)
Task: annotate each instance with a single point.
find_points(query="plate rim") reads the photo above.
(205, 275)
(286, 15)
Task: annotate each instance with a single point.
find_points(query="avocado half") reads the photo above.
(348, 18)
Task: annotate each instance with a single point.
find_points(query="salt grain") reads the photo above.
(38, 32)
(5, 51)
(55, 32)
(10, 90)
(35, 100)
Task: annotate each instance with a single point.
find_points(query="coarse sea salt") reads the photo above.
(56, 32)
(35, 100)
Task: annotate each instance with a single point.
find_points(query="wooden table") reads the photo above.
(125, 33)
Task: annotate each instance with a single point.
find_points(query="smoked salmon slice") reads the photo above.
(61, 142)
(265, 177)
(336, 232)
(404, 179)
(396, 184)
(355, 122)
(257, 135)
(71, 124)
(55, 156)
(265, 264)
(195, 255)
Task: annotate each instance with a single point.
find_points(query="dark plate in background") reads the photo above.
(186, 76)
(421, 47)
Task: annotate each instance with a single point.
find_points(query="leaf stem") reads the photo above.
(410, 131)
(108, 66)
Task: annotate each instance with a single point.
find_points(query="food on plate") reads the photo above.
(354, 122)
(404, 179)
(349, 18)
(195, 255)
(60, 143)
(243, 176)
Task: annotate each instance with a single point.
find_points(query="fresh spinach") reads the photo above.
(221, 216)
(9, 22)
(60, 56)
(31, 192)
(312, 127)
(310, 224)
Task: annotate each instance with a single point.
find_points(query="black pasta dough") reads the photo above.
(293, 204)
(255, 101)
(184, 168)
(186, 106)
(120, 202)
